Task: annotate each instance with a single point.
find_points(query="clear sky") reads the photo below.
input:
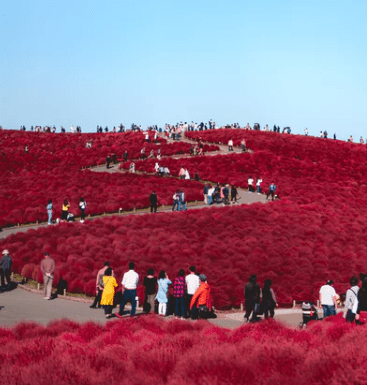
(289, 63)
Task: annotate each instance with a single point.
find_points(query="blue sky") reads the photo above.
(289, 63)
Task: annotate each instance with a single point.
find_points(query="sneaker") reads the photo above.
(46, 298)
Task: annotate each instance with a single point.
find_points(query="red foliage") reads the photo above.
(138, 351)
(52, 169)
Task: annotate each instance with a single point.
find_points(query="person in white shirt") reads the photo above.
(258, 185)
(351, 300)
(192, 283)
(187, 175)
(328, 299)
(230, 145)
(250, 183)
(129, 284)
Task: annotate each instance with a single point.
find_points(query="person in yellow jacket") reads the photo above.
(201, 298)
(109, 284)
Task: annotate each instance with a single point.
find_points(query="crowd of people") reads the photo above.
(66, 215)
(191, 297)
(191, 294)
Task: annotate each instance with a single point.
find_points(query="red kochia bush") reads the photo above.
(137, 351)
(297, 248)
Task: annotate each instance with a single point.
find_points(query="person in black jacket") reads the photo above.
(252, 299)
(362, 303)
(153, 202)
(5, 269)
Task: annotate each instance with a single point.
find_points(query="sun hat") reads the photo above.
(5, 252)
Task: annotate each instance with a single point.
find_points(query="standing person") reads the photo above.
(211, 191)
(234, 194)
(269, 300)
(252, 298)
(350, 299)
(47, 268)
(226, 194)
(99, 286)
(65, 210)
(201, 298)
(271, 192)
(206, 189)
(243, 145)
(49, 211)
(360, 307)
(230, 145)
(126, 157)
(5, 270)
(175, 198)
(132, 168)
(162, 295)
(187, 175)
(108, 161)
(217, 193)
(179, 290)
(181, 201)
(109, 284)
(328, 299)
(153, 202)
(82, 207)
(181, 174)
(129, 284)
(250, 183)
(150, 284)
(192, 283)
(258, 185)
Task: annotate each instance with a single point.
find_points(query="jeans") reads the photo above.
(129, 296)
(97, 300)
(209, 199)
(49, 212)
(183, 204)
(107, 309)
(175, 203)
(258, 188)
(179, 307)
(5, 274)
(329, 310)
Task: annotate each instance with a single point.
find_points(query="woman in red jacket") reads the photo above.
(201, 298)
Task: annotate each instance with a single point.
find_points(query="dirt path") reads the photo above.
(245, 197)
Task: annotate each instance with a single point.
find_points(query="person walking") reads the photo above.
(206, 189)
(175, 198)
(6, 264)
(258, 185)
(192, 284)
(360, 307)
(82, 207)
(150, 284)
(230, 145)
(350, 299)
(269, 300)
(99, 286)
(181, 173)
(49, 211)
(272, 188)
(109, 284)
(129, 284)
(65, 210)
(162, 295)
(328, 299)
(234, 194)
(47, 268)
(200, 299)
(179, 290)
(181, 201)
(153, 202)
(252, 299)
(250, 183)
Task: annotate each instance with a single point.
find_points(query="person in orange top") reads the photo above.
(201, 298)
